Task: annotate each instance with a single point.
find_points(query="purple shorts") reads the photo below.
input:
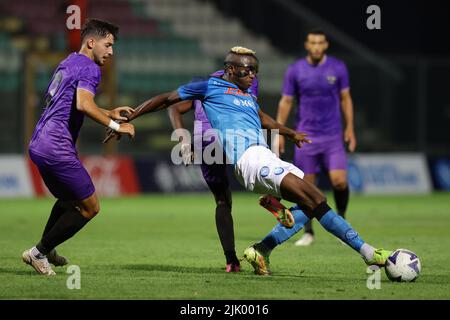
(215, 175)
(329, 155)
(67, 180)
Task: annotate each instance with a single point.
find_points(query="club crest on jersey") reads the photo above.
(278, 170)
(264, 172)
(331, 79)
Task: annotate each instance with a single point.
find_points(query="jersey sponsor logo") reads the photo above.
(278, 171)
(331, 79)
(264, 172)
(237, 92)
(244, 103)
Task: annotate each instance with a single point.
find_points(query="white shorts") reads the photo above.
(261, 171)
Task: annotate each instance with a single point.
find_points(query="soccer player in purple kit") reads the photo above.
(70, 96)
(321, 85)
(215, 174)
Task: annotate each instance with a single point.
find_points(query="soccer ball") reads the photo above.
(402, 266)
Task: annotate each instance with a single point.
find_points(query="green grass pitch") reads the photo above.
(166, 247)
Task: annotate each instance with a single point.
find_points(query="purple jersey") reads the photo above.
(317, 89)
(56, 133)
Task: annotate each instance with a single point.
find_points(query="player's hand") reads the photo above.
(300, 138)
(111, 134)
(126, 128)
(350, 139)
(187, 153)
(121, 113)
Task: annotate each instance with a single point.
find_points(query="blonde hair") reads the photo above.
(242, 50)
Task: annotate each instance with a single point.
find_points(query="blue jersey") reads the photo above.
(231, 111)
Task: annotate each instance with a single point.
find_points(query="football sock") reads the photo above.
(231, 257)
(338, 226)
(341, 199)
(308, 225)
(280, 233)
(224, 225)
(57, 211)
(36, 253)
(367, 251)
(65, 227)
(309, 228)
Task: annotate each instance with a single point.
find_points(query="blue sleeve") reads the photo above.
(193, 90)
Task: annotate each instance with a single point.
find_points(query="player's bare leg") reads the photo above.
(89, 207)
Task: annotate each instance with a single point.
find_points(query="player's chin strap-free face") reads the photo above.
(244, 69)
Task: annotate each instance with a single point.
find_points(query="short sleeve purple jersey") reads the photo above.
(199, 112)
(58, 128)
(317, 89)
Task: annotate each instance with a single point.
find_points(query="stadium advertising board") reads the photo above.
(440, 171)
(389, 173)
(14, 177)
(112, 176)
(163, 176)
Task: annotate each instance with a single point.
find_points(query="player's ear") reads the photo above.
(326, 44)
(90, 43)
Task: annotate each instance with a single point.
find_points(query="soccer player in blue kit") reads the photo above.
(235, 114)
(70, 96)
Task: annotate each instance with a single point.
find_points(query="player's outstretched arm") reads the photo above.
(86, 104)
(156, 103)
(119, 113)
(267, 122)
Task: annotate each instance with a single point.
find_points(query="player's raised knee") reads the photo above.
(339, 184)
(91, 210)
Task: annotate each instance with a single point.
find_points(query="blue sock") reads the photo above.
(280, 233)
(336, 225)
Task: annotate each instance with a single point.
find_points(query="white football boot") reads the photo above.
(305, 241)
(40, 265)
